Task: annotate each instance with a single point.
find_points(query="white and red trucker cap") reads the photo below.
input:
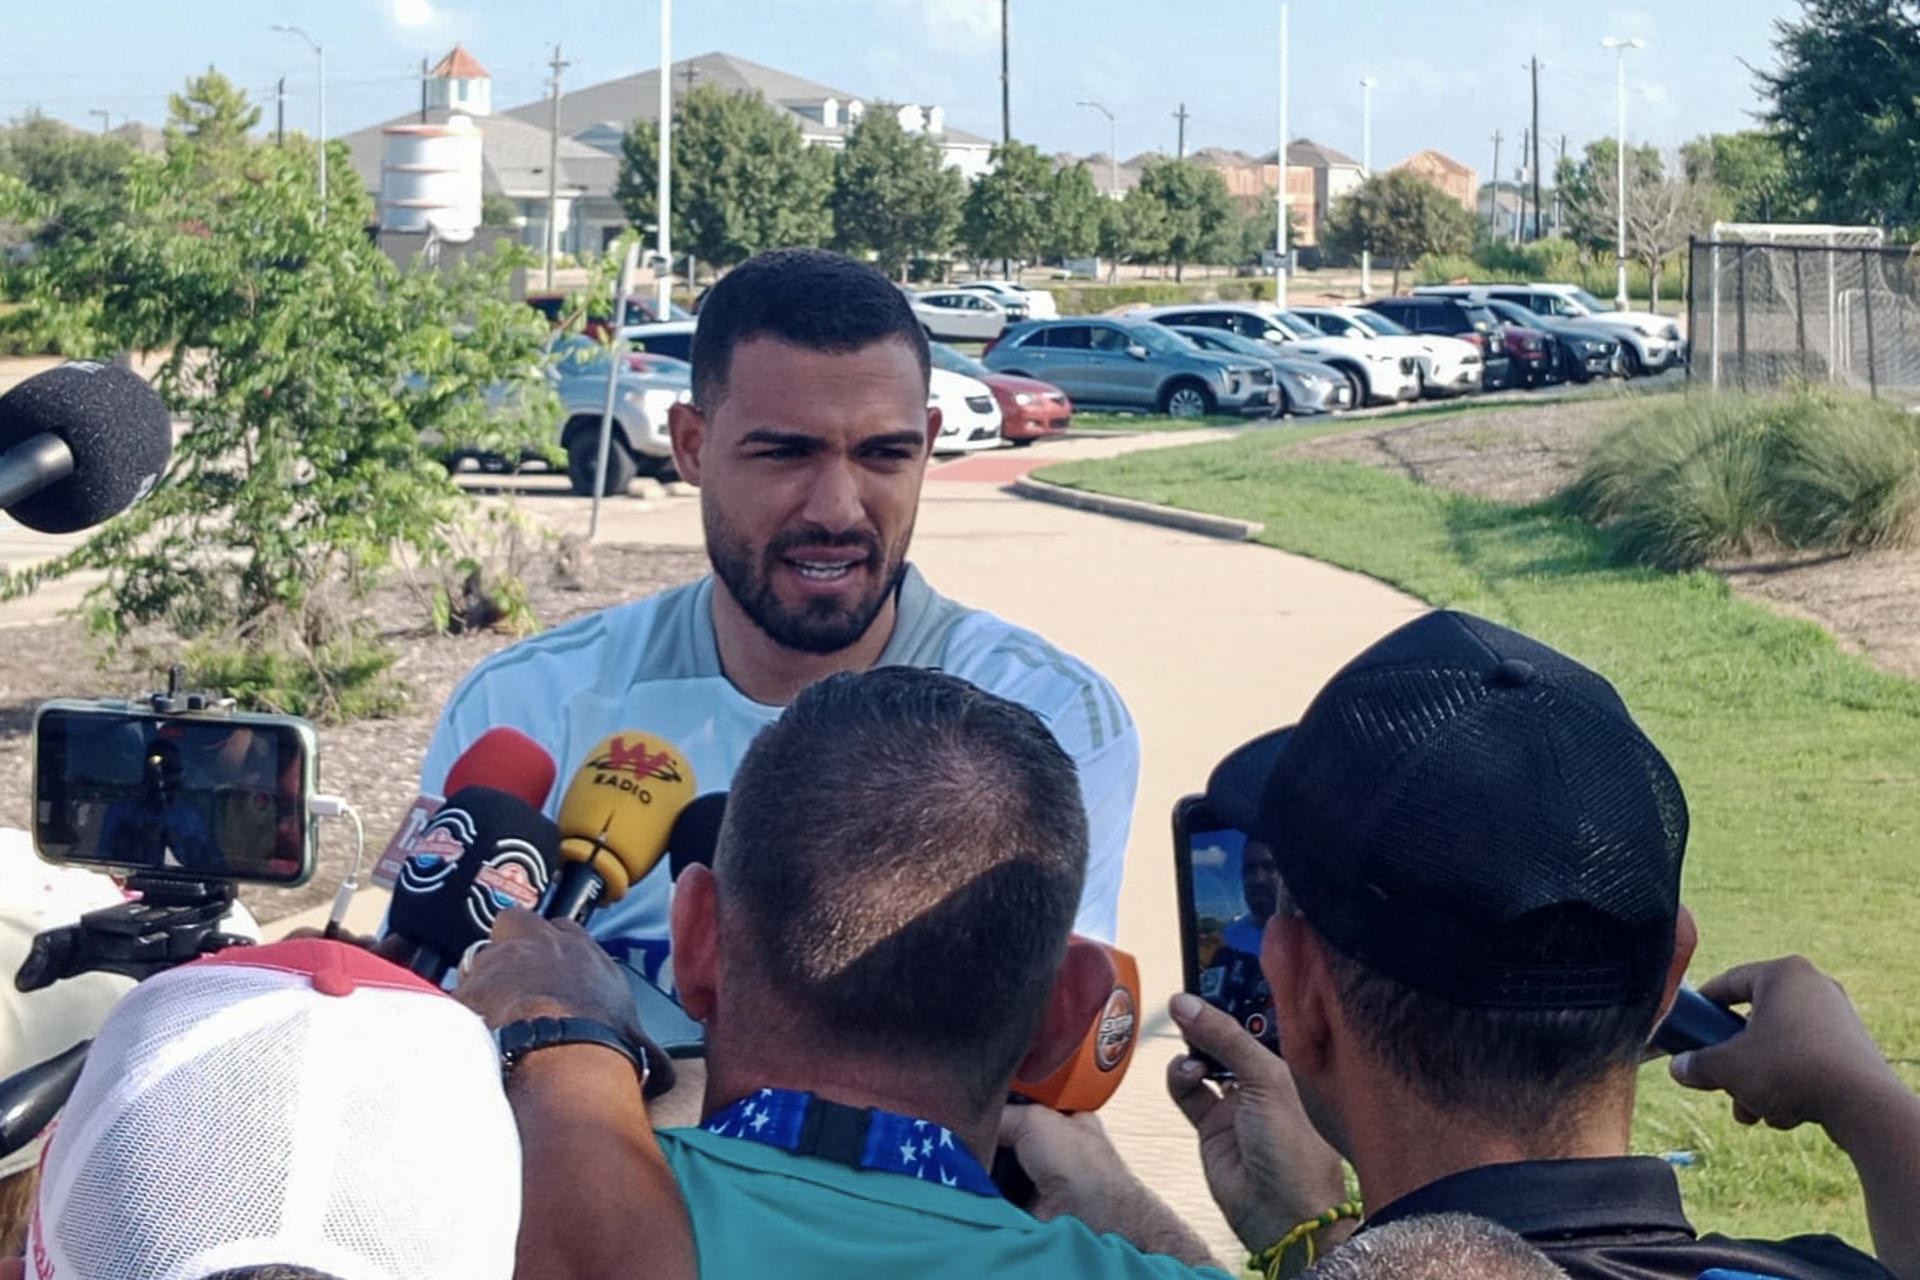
(303, 1103)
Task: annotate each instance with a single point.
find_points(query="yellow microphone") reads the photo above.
(615, 821)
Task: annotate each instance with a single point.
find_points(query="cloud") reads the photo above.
(411, 14)
(1211, 855)
(961, 25)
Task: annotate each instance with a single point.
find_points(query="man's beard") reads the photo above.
(818, 626)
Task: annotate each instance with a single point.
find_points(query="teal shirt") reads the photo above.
(760, 1212)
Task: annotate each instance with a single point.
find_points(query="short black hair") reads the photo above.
(906, 853)
(274, 1271)
(808, 297)
(1523, 1070)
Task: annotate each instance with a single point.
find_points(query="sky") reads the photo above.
(1449, 72)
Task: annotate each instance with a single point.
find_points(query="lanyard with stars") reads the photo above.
(861, 1137)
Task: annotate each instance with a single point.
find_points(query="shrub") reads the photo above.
(1699, 478)
(1854, 483)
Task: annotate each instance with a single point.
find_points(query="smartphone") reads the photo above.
(1227, 891)
(222, 796)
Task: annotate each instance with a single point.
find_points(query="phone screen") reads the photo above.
(221, 797)
(1229, 887)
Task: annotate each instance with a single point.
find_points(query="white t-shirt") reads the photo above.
(654, 665)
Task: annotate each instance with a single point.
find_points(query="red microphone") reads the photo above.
(501, 758)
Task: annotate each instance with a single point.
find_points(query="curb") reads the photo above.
(1209, 526)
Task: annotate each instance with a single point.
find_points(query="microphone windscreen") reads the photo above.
(696, 833)
(1096, 994)
(505, 760)
(116, 428)
(484, 852)
(619, 809)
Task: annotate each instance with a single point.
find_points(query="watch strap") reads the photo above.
(516, 1040)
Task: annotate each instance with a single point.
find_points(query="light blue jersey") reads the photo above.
(654, 665)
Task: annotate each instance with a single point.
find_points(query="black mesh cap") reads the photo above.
(1450, 789)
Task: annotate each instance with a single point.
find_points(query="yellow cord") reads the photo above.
(1297, 1250)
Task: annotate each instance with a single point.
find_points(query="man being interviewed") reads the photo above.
(808, 435)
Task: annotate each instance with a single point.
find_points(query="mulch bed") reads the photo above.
(375, 764)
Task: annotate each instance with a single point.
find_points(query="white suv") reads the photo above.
(1448, 366)
(1038, 304)
(1376, 374)
(1651, 342)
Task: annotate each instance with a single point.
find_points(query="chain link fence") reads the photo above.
(1763, 314)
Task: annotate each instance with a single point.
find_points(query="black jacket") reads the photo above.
(1620, 1219)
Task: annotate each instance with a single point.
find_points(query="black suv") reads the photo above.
(1455, 318)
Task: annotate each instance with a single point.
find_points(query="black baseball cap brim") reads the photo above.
(1237, 784)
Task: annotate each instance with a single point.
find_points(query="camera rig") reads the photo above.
(176, 917)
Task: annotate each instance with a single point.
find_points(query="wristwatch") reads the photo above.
(518, 1039)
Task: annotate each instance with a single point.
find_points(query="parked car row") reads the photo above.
(1241, 359)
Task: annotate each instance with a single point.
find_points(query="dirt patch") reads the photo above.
(1870, 602)
(1516, 455)
(373, 763)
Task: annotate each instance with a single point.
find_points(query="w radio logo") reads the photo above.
(638, 759)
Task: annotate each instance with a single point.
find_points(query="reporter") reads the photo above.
(252, 1111)
(1806, 1057)
(872, 953)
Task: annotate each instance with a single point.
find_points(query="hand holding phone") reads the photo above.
(1229, 887)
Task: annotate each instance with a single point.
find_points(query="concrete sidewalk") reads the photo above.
(1209, 641)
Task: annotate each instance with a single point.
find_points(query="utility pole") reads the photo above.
(1180, 149)
(1366, 169)
(1558, 214)
(1493, 200)
(553, 165)
(1536, 148)
(663, 190)
(280, 113)
(106, 119)
(1520, 227)
(1006, 93)
(423, 90)
(320, 55)
(1280, 232)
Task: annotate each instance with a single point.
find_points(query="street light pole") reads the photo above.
(663, 194)
(1366, 169)
(1113, 149)
(321, 55)
(1620, 47)
(1280, 231)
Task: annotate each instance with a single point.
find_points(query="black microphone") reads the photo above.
(30, 1099)
(696, 833)
(484, 852)
(80, 444)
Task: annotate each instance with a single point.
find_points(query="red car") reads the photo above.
(1029, 408)
(1532, 354)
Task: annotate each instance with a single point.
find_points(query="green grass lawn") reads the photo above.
(1801, 764)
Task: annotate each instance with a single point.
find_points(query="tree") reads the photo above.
(79, 171)
(743, 178)
(1005, 215)
(1588, 210)
(892, 194)
(1846, 105)
(1746, 173)
(1198, 210)
(1662, 215)
(313, 376)
(1133, 230)
(55, 159)
(212, 111)
(497, 211)
(1073, 209)
(1398, 218)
